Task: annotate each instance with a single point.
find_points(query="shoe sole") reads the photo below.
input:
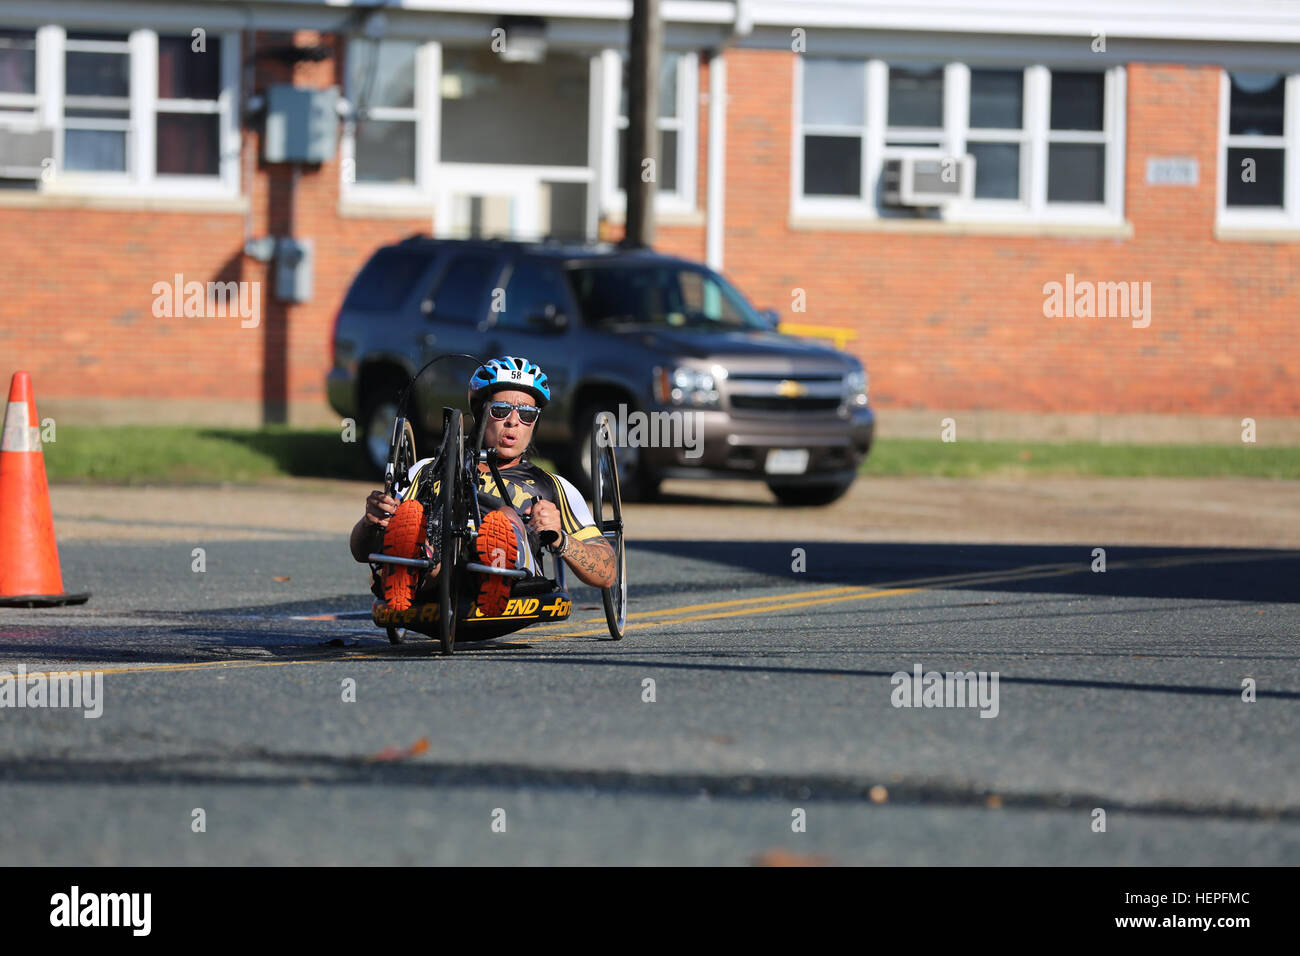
(496, 534)
(402, 540)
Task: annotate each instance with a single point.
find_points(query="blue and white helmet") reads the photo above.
(508, 372)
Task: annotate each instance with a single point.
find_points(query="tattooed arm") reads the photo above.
(592, 561)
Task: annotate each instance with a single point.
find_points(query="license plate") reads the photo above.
(787, 461)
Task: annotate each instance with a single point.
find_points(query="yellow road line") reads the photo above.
(766, 604)
(862, 595)
(752, 600)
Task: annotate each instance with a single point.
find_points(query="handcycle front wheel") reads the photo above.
(452, 494)
(605, 493)
(401, 455)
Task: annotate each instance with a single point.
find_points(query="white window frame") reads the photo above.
(870, 135)
(1239, 217)
(1023, 137)
(128, 127)
(427, 115)
(178, 106)
(1034, 136)
(682, 200)
(140, 178)
(22, 110)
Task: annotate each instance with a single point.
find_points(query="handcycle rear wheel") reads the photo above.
(454, 513)
(605, 493)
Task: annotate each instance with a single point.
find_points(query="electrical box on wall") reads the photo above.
(301, 125)
(294, 261)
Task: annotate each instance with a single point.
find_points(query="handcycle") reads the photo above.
(454, 509)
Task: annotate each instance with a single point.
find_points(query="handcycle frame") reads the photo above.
(458, 514)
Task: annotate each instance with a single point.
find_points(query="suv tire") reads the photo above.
(793, 496)
(635, 482)
(378, 409)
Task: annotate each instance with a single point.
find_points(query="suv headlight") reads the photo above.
(687, 386)
(855, 389)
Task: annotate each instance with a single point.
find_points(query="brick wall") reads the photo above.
(944, 321)
(77, 310)
(956, 321)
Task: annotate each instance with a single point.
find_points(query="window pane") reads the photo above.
(997, 170)
(832, 166)
(567, 206)
(1076, 172)
(997, 99)
(186, 75)
(499, 112)
(1078, 100)
(668, 85)
(1266, 189)
(97, 74)
(668, 64)
(833, 92)
(74, 35)
(702, 298)
(383, 76)
(387, 280)
(385, 151)
(916, 96)
(462, 294)
(17, 61)
(94, 150)
(188, 144)
(667, 161)
(1257, 103)
(103, 113)
(531, 290)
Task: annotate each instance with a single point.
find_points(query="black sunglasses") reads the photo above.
(501, 411)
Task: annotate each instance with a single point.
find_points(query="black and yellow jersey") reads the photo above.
(524, 481)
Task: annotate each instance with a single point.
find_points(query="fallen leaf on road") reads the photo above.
(389, 754)
(281, 578)
(781, 857)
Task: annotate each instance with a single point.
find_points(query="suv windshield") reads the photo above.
(387, 280)
(666, 294)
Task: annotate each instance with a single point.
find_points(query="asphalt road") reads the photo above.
(1119, 691)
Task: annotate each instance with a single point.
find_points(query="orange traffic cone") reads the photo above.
(29, 556)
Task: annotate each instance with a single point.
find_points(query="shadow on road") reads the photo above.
(1229, 574)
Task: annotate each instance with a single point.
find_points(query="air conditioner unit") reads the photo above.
(928, 179)
(23, 150)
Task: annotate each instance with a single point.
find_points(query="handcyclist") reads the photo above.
(512, 392)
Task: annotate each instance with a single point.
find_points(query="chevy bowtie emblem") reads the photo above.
(791, 389)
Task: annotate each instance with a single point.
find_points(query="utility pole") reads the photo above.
(645, 43)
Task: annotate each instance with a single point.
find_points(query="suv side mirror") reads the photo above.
(771, 317)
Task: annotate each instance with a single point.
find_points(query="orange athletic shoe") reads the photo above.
(497, 545)
(402, 539)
